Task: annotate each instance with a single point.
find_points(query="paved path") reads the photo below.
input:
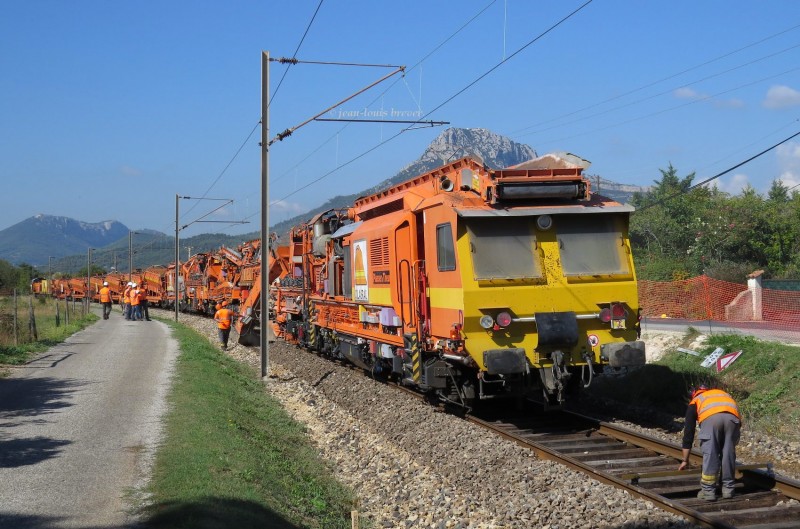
(78, 426)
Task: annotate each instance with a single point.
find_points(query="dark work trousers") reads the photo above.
(106, 309)
(223, 336)
(146, 313)
(719, 435)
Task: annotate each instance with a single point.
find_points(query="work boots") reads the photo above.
(708, 495)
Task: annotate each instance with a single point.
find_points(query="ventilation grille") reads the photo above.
(379, 252)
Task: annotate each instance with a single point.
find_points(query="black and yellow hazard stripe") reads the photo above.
(313, 329)
(416, 358)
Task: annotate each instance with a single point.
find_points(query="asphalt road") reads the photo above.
(79, 426)
(767, 331)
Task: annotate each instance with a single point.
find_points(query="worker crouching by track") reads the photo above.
(720, 427)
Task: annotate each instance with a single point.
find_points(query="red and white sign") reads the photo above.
(728, 359)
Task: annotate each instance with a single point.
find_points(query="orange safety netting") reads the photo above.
(766, 312)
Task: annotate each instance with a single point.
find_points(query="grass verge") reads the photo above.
(232, 457)
(764, 380)
(49, 334)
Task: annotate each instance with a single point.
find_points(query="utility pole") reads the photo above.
(88, 279)
(264, 308)
(130, 255)
(50, 275)
(177, 255)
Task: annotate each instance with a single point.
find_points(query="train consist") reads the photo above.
(465, 282)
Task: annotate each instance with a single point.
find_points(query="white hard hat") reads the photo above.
(133, 284)
(130, 284)
(105, 283)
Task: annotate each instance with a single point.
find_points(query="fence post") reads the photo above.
(16, 333)
(754, 286)
(32, 321)
(58, 315)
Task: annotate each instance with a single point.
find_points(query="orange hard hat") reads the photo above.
(219, 306)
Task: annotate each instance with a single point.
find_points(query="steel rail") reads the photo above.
(698, 513)
(630, 481)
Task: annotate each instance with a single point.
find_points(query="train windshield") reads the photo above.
(591, 245)
(503, 250)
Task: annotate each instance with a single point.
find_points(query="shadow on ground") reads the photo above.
(214, 513)
(25, 401)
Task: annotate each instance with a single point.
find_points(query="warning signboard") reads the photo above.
(713, 357)
(728, 359)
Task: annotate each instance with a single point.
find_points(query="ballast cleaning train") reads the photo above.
(467, 282)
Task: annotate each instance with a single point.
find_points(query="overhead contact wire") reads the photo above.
(726, 171)
(458, 93)
(434, 50)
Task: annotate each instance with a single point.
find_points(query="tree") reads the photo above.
(9, 276)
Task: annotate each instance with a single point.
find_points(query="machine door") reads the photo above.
(404, 289)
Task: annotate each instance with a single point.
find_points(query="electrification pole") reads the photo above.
(177, 255)
(130, 255)
(264, 308)
(88, 279)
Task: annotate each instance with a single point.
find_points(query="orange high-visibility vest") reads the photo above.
(142, 295)
(134, 297)
(714, 401)
(224, 317)
(105, 295)
(126, 295)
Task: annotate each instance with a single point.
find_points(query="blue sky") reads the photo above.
(109, 109)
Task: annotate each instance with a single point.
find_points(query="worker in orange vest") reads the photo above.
(720, 427)
(224, 318)
(143, 301)
(105, 300)
(136, 311)
(126, 299)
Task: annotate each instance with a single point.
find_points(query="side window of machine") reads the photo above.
(445, 250)
(347, 282)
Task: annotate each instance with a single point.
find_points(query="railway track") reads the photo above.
(646, 467)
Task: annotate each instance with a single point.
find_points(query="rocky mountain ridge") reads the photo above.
(37, 238)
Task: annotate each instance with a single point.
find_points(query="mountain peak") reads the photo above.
(37, 238)
(494, 150)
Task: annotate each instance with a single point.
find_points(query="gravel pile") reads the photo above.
(414, 467)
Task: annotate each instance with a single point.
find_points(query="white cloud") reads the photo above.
(728, 103)
(732, 185)
(693, 95)
(288, 208)
(789, 163)
(790, 179)
(127, 170)
(688, 93)
(781, 96)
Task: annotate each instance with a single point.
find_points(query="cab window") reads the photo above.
(445, 249)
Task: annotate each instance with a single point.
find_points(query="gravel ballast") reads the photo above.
(413, 466)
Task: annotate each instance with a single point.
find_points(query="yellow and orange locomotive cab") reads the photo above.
(472, 283)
